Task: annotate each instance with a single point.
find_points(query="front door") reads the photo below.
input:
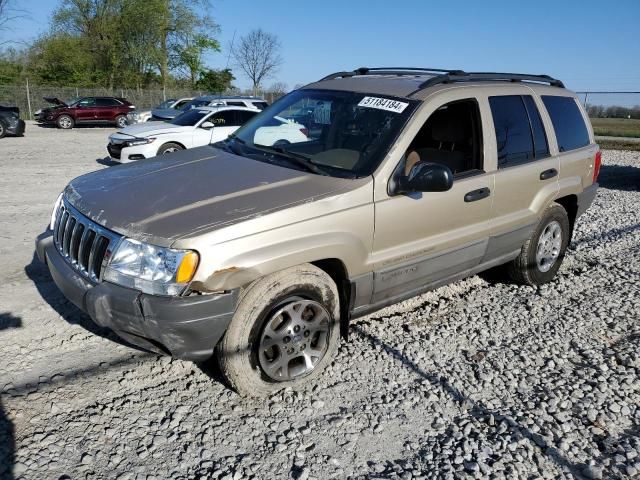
(86, 110)
(422, 239)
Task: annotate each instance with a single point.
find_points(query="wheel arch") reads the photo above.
(172, 141)
(570, 205)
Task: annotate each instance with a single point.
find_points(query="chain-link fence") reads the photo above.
(29, 98)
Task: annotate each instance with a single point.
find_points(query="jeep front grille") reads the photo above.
(84, 244)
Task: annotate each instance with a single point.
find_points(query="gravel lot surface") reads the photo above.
(480, 379)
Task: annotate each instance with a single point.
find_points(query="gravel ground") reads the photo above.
(480, 379)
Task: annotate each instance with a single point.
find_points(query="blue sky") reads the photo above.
(589, 44)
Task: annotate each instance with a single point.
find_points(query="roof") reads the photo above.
(411, 82)
(227, 97)
(219, 108)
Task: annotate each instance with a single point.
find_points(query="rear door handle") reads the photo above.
(475, 195)
(547, 174)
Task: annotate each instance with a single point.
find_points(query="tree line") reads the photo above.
(134, 44)
(614, 111)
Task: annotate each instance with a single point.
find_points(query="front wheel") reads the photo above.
(284, 332)
(542, 255)
(169, 148)
(3, 129)
(65, 122)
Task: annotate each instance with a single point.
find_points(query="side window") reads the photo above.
(235, 104)
(540, 145)
(87, 102)
(513, 131)
(181, 104)
(571, 132)
(451, 136)
(226, 118)
(245, 116)
(107, 102)
(260, 105)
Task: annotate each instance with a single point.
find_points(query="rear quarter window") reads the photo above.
(568, 123)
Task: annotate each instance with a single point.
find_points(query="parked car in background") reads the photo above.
(172, 105)
(192, 128)
(210, 101)
(85, 110)
(10, 122)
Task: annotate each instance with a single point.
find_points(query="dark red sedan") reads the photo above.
(85, 110)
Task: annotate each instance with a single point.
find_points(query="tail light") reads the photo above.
(596, 166)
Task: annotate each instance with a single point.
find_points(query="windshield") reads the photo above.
(190, 117)
(72, 102)
(166, 104)
(341, 133)
(195, 103)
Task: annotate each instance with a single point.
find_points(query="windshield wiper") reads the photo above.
(297, 158)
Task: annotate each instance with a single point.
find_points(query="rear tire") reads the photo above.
(169, 148)
(121, 121)
(65, 122)
(542, 255)
(284, 332)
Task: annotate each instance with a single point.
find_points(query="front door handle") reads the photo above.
(475, 195)
(547, 174)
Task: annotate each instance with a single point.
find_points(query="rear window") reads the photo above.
(568, 123)
(107, 102)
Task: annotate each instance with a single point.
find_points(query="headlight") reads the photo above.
(139, 141)
(151, 269)
(56, 206)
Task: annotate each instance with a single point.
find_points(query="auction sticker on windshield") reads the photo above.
(383, 104)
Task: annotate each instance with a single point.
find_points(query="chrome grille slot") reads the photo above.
(84, 244)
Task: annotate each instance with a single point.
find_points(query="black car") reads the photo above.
(10, 122)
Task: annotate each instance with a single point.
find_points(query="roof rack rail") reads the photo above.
(490, 76)
(390, 71)
(447, 76)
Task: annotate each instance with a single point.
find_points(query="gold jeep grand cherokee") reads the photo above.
(349, 194)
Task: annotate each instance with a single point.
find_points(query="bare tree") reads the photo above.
(258, 56)
(7, 14)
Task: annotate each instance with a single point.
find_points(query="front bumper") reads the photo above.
(121, 154)
(183, 327)
(17, 128)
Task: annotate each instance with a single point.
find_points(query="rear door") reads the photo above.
(107, 109)
(575, 150)
(86, 110)
(526, 179)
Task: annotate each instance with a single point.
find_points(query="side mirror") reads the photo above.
(207, 125)
(425, 177)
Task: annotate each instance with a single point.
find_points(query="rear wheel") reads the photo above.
(121, 121)
(284, 332)
(542, 255)
(169, 148)
(65, 122)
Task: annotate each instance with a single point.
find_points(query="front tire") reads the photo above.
(65, 122)
(169, 148)
(542, 255)
(3, 129)
(284, 332)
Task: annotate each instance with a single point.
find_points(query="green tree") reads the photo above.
(190, 55)
(216, 81)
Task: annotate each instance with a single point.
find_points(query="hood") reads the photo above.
(55, 101)
(198, 190)
(147, 129)
(167, 113)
